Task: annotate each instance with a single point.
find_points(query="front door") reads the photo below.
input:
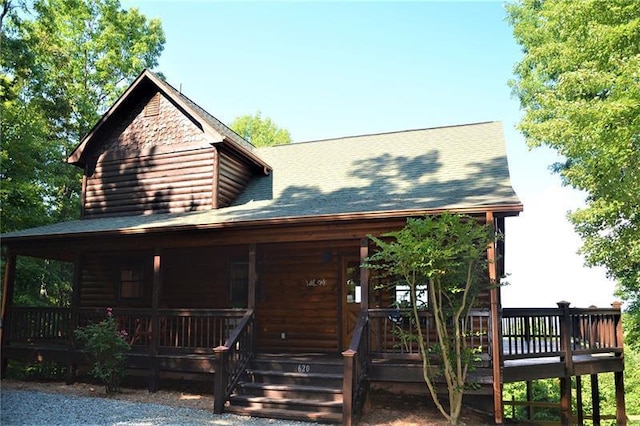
(351, 297)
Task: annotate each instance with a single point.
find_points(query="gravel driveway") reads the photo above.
(39, 408)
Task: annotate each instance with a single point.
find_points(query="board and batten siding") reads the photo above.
(156, 161)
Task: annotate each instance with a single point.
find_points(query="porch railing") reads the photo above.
(38, 326)
(232, 359)
(562, 331)
(354, 387)
(179, 329)
(392, 332)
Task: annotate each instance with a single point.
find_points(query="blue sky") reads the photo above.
(331, 69)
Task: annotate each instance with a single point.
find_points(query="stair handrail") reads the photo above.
(356, 359)
(232, 359)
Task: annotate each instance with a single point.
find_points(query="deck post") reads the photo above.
(565, 337)
(529, 399)
(495, 324)
(595, 400)
(8, 284)
(565, 346)
(75, 303)
(347, 386)
(220, 379)
(621, 410)
(579, 405)
(155, 322)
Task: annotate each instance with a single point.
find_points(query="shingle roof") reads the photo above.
(457, 168)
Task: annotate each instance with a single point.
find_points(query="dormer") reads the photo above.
(156, 151)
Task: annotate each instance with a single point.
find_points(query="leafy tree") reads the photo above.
(448, 253)
(260, 131)
(63, 63)
(579, 87)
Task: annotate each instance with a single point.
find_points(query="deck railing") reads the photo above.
(354, 387)
(179, 329)
(562, 331)
(232, 359)
(35, 326)
(392, 332)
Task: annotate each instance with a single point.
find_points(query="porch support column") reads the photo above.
(155, 322)
(8, 284)
(496, 333)
(72, 365)
(364, 275)
(253, 278)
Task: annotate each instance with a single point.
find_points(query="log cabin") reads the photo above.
(241, 265)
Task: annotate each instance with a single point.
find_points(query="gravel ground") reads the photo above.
(34, 408)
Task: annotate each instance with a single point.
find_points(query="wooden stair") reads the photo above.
(305, 387)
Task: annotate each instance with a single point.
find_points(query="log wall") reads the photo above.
(233, 176)
(101, 278)
(299, 295)
(156, 161)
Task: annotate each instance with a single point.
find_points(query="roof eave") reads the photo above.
(501, 210)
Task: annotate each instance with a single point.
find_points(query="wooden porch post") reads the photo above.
(155, 322)
(565, 346)
(364, 275)
(8, 285)
(75, 303)
(496, 334)
(253, 277)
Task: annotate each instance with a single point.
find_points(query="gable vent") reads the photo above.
(153, 106)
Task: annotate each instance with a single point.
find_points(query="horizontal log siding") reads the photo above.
(101, 278)
(175, 182)
(309, 316)
(234, 175)
(198, 278)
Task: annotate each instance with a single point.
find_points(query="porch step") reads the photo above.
(287, 414)
(291, 387)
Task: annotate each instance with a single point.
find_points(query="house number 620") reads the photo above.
(304, 368)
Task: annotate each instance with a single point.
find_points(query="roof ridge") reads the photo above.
(388, 133)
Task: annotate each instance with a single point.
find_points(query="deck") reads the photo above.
(218, 345)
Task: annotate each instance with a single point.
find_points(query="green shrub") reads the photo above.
(105, 345)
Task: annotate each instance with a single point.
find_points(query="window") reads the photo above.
(239, 284)
(403, 298)
(131, 281)
(354, 289)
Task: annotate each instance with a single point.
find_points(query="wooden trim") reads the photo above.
(83, 195)
(496, 333)
(253, 277)
(216, 179)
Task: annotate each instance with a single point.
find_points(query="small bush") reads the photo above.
(106, 347)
